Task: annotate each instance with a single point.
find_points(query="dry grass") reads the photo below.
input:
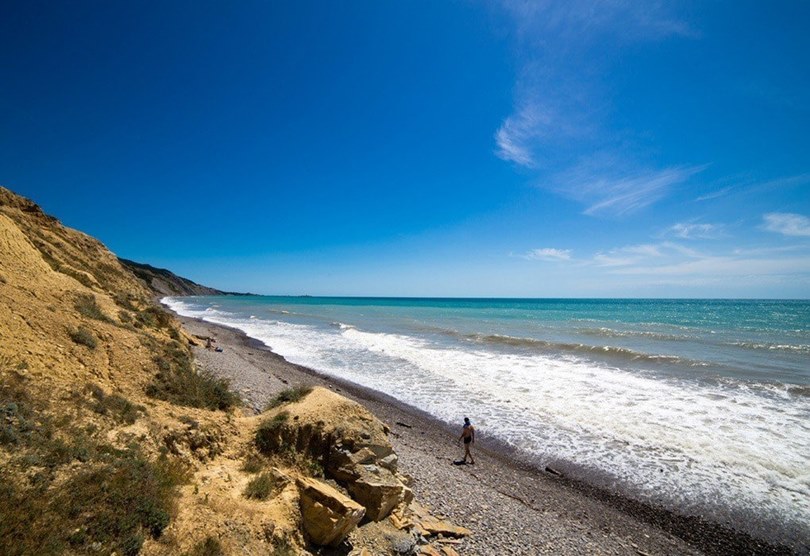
(84, 337)
(253, 464)
(178, 382)
(290, 395)
(260, 487)
(62, 491)
(87, 306)
(115, 406)
(208, 547)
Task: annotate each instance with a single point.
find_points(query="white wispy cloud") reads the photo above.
(673, 264)
(648, 254)
(691, 230)
(787, 223)
(725, 267)
(608, 189)
(517, 132)
(715, 194)
(560, 102)
(645, 249)
(676, 260)
(548, 254)
(614, 259)
(553, 110)
(628, 255)
(588, 20)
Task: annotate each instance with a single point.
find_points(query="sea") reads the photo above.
(698, 406)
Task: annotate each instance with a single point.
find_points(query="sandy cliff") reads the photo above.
(111, 440)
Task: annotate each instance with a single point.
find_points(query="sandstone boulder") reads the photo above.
(350, 443)
(378, 490)
(328, 516)
(426, 524)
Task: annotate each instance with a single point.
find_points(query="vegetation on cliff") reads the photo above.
(113, 441)
(90, 368)
(165, 282)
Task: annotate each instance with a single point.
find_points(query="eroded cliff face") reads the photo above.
(111, 440)
(105, 424)
(54, 282)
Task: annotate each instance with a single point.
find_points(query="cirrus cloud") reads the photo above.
(688, 230)
(787, 223)
(609, 188)
(548, 254)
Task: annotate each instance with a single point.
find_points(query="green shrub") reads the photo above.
(121, 502)
(77, 275)
(253, 464)
(154, 317)
(121, 409)
(8, 435)
(112, 498)
(178, 382)
(56, 452)
(289, 395)
(190, 421)
(84, 337)
(106, 274)
(87, 306)
(309, 466)
(270, 439)
(260, 488)
(25, 521)
(126, 300)
(17, 421)
(267, 437)
(62, 492)
(209, 547)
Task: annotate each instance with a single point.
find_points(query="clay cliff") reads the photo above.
(113, 441)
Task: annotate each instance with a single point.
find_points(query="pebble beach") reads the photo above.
(511, 506)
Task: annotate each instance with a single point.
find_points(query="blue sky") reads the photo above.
(534, 149)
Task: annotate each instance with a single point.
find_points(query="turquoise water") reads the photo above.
(699, 405)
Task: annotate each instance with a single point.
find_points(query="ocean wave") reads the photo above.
(626, 354)
(714, 440)
(768, 346)
(612, 333)
(547, 346)
(799, 391)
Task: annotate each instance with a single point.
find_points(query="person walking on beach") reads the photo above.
(468, 436)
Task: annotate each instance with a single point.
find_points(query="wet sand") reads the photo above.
(512, 507)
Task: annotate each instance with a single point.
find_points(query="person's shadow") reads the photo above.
(459, 462)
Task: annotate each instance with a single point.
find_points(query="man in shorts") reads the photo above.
(468, 437)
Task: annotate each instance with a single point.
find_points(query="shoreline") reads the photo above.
(557, 514)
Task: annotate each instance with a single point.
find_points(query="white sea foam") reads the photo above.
(688, 444)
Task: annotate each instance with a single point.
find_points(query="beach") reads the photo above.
(511, 506)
